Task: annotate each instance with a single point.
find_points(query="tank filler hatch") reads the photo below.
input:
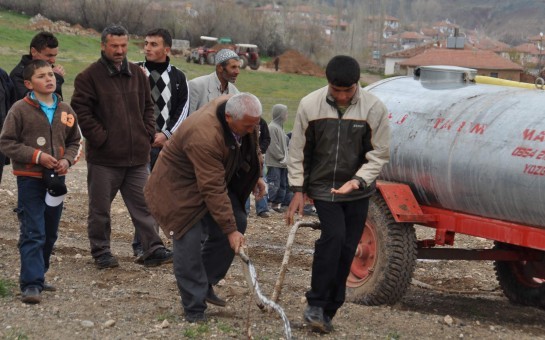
(443, 77)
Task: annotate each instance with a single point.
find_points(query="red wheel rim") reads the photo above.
(364, 261)
(526, 272)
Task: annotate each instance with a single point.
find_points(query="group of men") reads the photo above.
(200, 139)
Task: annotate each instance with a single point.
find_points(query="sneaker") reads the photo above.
(160, 256)
(314, 316)
(106, 260)
(31, 295)
(195, 317)
(278, 208)
(212, 298)
(49, 288)
(264, 214)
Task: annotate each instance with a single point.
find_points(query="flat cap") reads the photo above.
(224, 55)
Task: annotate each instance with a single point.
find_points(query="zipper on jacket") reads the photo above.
(336, 157)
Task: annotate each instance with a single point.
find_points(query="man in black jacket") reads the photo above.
(44, 46)
(169, 93)
(7, 98)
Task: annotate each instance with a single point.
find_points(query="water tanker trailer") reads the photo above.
(464, 158)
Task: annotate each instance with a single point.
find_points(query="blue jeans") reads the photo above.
(39, 224)
(260, 205)
(277, 178)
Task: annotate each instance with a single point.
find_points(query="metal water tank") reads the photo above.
(477, 149)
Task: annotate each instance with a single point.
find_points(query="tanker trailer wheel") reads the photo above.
(518, 279)
(385, 259)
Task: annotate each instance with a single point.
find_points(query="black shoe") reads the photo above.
(106, 260)
(31, 295)
(314, 316)
(328, 324)
(264, 214)
(49, 288)
(278, 208)
(195, 317)
(138, 250)
(160, 256)
(212, 298)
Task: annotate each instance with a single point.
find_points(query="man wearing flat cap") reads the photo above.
(207, 88)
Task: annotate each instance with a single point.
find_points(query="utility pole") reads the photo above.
(540, 54)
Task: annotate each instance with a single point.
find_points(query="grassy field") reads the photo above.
(77, 52)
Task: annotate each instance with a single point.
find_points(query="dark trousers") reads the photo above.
(154, 154)
(277, 178)
(341, 225)
(196, 266)
(39, 224)
(103, 183)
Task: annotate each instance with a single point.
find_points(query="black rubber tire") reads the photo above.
(211, 59)
(243, 62)
(518, 287)
(394, 262)
(255, 65)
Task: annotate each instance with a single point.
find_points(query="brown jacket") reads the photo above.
(115, 113)
(197, 167)
(27, 133)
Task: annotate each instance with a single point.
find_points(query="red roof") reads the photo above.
(486, 60)
(527, 48)
(414, 51)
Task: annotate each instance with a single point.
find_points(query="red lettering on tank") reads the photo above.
(541, 155)
(447, 125)
(478, 128)
(540, 137)
(461, 126)
(533, 135)
(536, 170)
(402, 119)
(524, 152)
(438, 121)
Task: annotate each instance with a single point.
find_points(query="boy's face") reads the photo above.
(42, 81)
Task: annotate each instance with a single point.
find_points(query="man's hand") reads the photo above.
(297, 204)
(58, 69)
(62, 167)
(347, 187)
(260, 189)
(48, 161)
(236, 240)
(159, 140)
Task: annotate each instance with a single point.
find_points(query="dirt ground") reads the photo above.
(132, 301)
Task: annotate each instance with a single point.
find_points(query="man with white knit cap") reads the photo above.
(207, 88)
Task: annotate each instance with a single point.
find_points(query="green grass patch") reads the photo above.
(6, 287)
(197, 331)
(167, 316)
(15, 334)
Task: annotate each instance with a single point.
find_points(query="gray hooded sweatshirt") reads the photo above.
(277, 152)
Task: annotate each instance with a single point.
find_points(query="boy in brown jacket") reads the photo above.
(42, 138)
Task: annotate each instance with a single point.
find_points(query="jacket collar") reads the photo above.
(227, 133)
(355, 98)
(112, 70)
(34, 102)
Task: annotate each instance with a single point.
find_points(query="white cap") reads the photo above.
(53, 201)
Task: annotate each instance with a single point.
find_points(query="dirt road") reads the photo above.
(132, 301)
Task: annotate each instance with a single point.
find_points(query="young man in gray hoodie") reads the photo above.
(276, 157)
